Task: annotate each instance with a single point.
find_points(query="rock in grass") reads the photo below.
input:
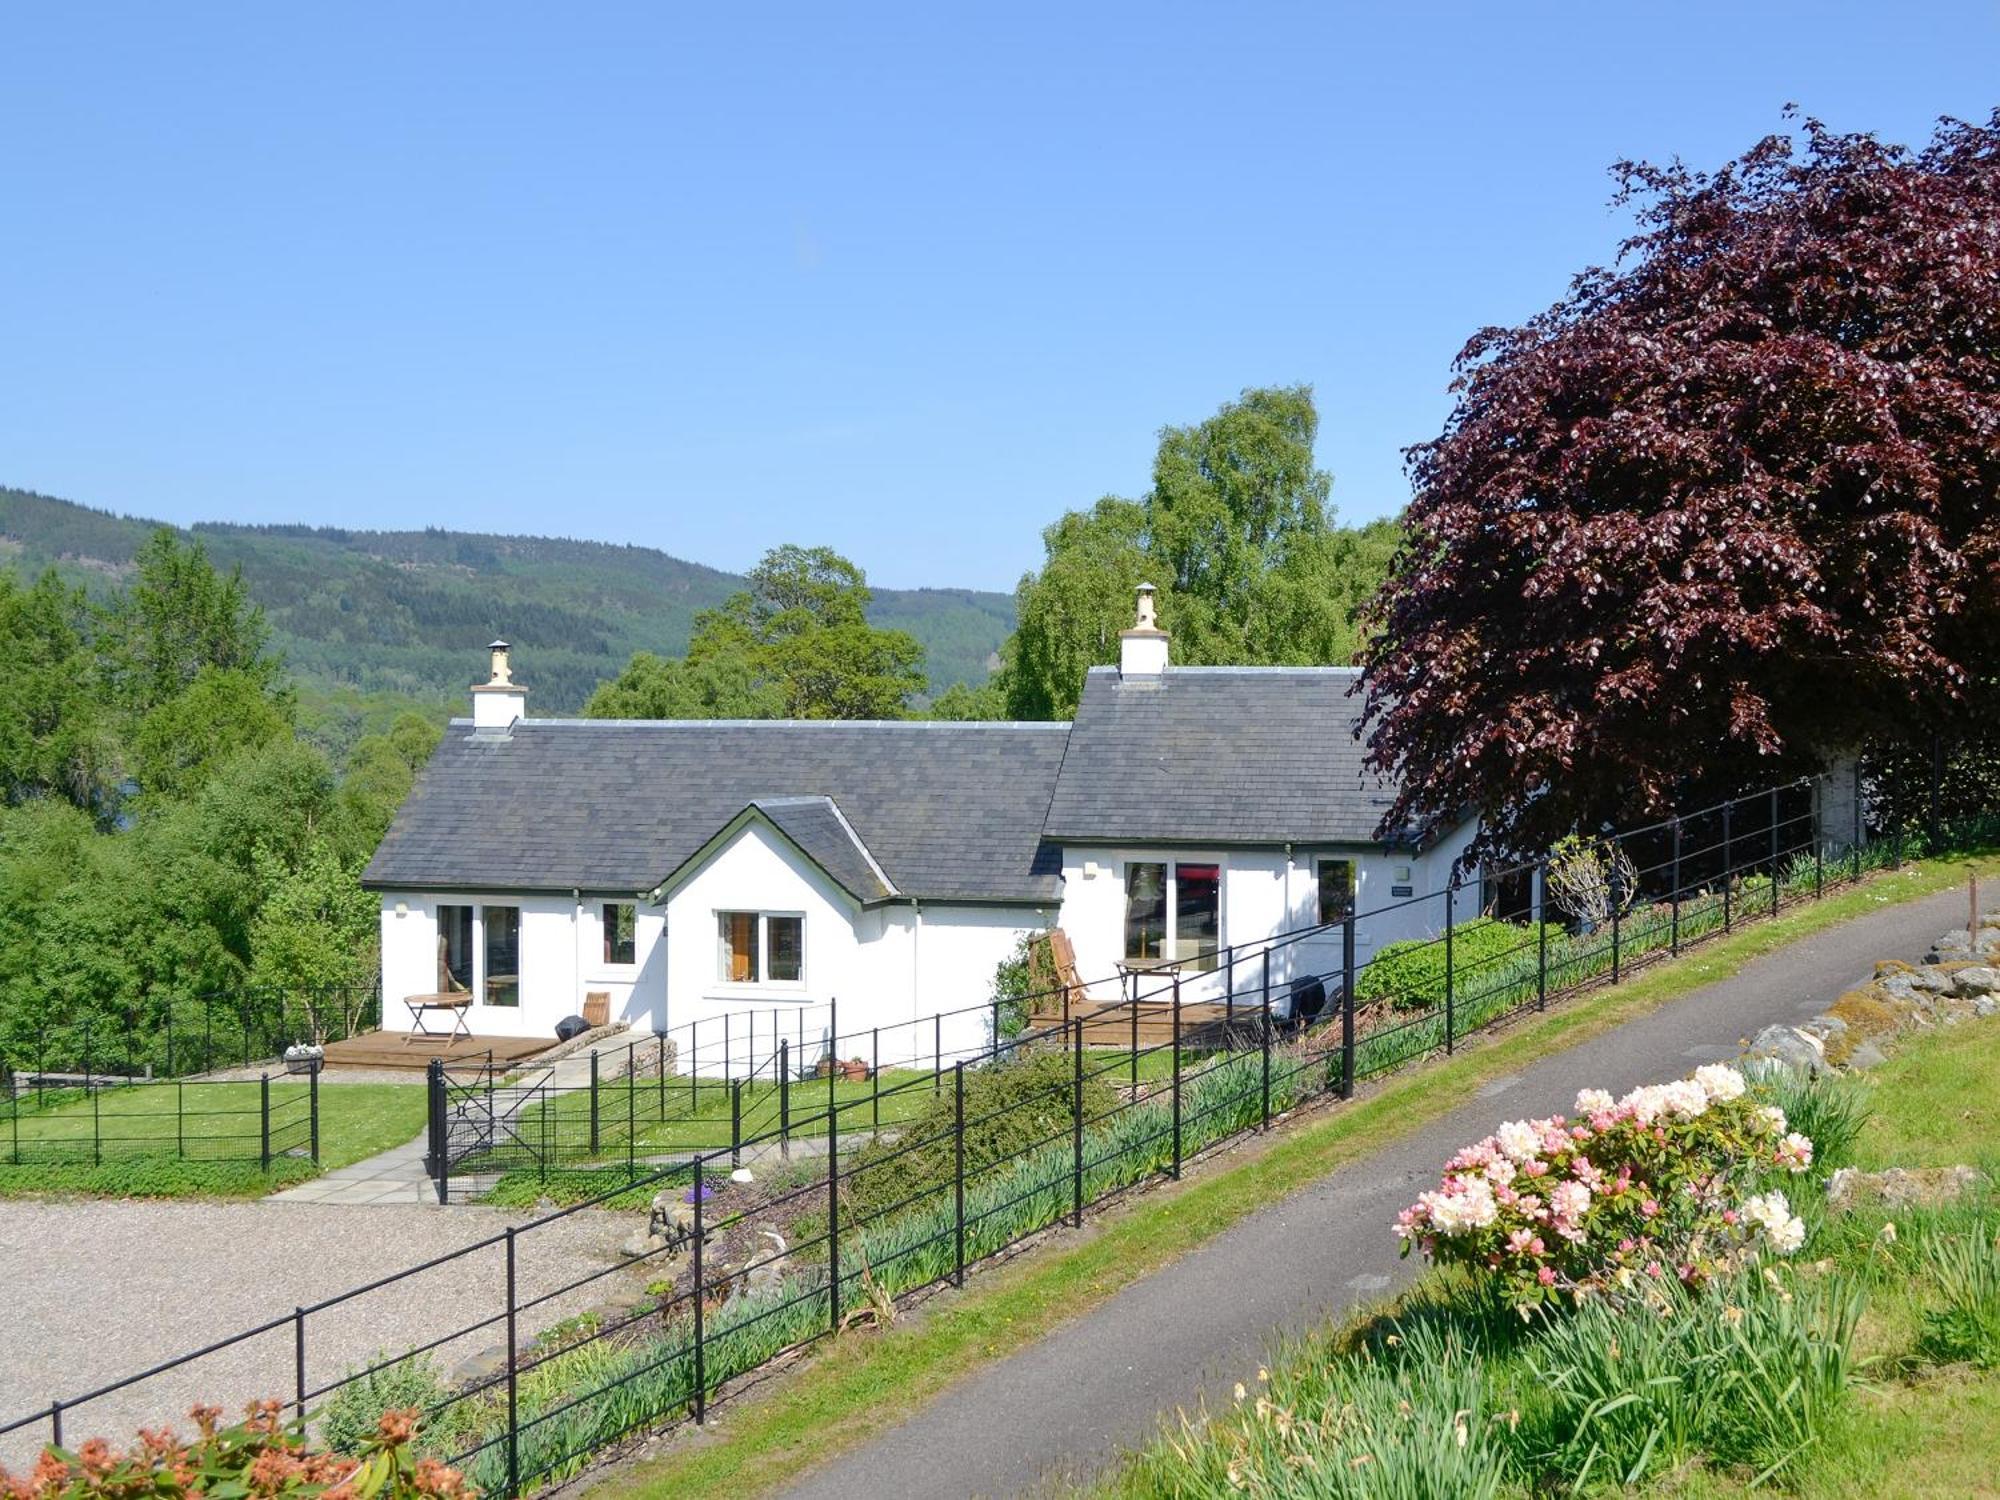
(1794, 1048)
(1901, 1187)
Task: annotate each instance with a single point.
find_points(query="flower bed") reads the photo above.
(1668, 1182)
(260, 1456)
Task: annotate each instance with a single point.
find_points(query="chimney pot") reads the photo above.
(1142, 650)
(500, 700)
(1146, 619)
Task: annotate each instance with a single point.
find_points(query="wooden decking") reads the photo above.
(390, 1049)
(1109, 1023)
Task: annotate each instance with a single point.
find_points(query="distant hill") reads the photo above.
(408, 611)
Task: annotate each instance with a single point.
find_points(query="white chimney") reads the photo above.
(498, 703)
(1142, 650)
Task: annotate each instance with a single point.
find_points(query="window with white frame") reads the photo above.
(760, 947)
(1173, 913)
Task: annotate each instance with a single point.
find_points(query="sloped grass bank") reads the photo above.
(1841, 1373)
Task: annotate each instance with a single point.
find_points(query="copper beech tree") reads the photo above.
(1725, 511)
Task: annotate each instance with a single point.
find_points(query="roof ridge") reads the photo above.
(862, 844)
(927, 725)
(1212, 670)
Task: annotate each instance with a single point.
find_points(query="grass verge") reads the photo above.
(1897, 1404)
(860, 1386)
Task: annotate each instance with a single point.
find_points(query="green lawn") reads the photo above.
(857, 1387)
(196, 1139)
(357, 1120)
(1936, 1104)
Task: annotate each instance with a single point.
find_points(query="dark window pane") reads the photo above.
(788, 948)
(621, 932)
(503, 955)
(454, 950)
(1336, 890)
(738, 948)
(1197, 914)
(1145, 912)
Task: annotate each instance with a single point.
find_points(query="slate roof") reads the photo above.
(1217, 755)
(817, 826)
(951, 811)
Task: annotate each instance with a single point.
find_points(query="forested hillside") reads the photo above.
(408, 611)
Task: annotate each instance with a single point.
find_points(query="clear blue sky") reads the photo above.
(907, 281)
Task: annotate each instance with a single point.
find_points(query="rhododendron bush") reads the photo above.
(1668, 1182)
(260, 1456)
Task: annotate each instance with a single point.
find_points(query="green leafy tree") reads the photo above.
(969, 704)
(380, 770)
(182, 740)
(317, 930)
(715, 685)
(54, 738)
(1068, 616)
(242, 854)
(179, 617)
(1237, 535)
(1235, 499)
(797, 644)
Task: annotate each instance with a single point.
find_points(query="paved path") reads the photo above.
(397, 1175)
(1064, 1407)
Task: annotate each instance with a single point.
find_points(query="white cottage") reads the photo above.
(689, 870)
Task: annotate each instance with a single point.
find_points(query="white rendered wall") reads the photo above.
(955, 951)
(561, 955)
(758, 871)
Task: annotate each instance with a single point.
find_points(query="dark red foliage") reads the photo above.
(1726, 510)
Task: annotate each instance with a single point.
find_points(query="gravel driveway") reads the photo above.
(97, 1290)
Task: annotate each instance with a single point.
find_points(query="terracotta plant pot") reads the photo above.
(855, 1069)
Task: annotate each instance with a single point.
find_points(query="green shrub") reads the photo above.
(1009, 1107)
(259, 1456)
(1965, 1329)
(1013, 983)
(525, 1187)
(351, 1419)
(1411, 975)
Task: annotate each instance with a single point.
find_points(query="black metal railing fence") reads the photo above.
(162, 1034)
(90, 1119)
